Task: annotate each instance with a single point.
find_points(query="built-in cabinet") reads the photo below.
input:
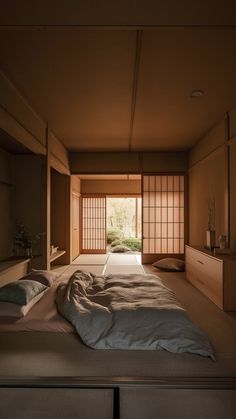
(57, 403)
(173, 403)
(214, 275)
(130, 402)
(60, 218)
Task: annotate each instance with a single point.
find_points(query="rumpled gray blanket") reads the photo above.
(129, 312)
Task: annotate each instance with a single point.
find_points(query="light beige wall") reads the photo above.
(6, 187)
(111, 187)
(212, 175)
(207, 182)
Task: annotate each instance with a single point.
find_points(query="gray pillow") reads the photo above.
(44, 277)
(21, 292)
(16, 310)
(170, 264)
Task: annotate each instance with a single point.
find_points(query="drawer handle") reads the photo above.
(199, 261)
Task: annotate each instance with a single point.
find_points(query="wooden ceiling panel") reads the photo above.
(78, 81)
(87, 84)
(173, 63)
(122, 12)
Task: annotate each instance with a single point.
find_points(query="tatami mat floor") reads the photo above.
(123, 269)
(88, 259)
(104, 264)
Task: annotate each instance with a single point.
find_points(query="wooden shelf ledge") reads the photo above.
(56, 255)
(11, 263)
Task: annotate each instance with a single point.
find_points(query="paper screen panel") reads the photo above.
(93, 225)
(163, 214)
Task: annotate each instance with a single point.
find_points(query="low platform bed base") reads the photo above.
(118, 397)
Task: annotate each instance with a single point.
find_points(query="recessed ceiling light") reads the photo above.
(196, 93)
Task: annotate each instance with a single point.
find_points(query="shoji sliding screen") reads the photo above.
(93, 221)
(163, 216)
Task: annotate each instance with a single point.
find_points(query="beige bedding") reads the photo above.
(43, 317)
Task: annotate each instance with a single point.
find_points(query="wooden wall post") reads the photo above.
(46, 208)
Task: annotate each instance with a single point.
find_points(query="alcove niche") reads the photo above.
(60, 218)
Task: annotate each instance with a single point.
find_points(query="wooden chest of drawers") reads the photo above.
(214, 275)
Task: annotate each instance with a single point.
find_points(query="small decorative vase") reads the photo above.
(210, 239)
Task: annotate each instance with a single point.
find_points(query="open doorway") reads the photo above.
(97, 192)
(124, 224)
(162, 198)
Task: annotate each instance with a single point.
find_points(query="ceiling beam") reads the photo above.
(124, 13)
(110, 27)
(138, 50)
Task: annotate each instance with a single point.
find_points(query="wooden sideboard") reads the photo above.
(213, 274)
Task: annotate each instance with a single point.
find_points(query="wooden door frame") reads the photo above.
(77, 195)
(95, 251)
(147, 258)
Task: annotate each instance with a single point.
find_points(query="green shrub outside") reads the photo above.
(115, 243)
(114, 234)
(133, 243)
(120, 249)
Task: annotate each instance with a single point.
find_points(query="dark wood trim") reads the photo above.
(82, 27)
(227, 181)
(46, 208)
(186, 209)
(68, 221)
(80, 225)
(181, 173)
(115, 381)
(111, 195)
(116, 403)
